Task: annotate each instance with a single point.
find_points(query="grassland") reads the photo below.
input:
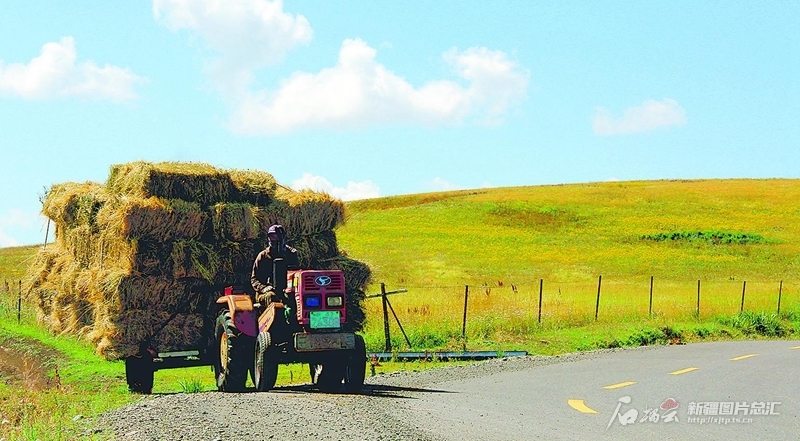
(502, 244)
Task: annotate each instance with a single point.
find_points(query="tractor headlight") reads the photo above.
(312, 302)
(334, 301)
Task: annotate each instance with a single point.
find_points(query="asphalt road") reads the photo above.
(707, 391)
(721, 390)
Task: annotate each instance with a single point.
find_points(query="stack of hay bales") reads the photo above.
(144, 257)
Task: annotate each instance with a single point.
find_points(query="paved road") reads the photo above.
(722, 390)
(657, 393)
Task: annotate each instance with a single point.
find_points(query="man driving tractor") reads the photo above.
(262, 277)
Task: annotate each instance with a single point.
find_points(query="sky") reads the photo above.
(373, 98)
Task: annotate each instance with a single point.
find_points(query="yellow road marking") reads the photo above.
(795, 347)
(619, 385)
(683, 371)
(580, 406)
(743, 357)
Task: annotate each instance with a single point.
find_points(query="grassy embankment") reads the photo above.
(500, 242)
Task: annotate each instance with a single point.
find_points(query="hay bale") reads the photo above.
(303, 213)
(253, 186)
(81, 242)
(356, 274)
(120, 292)
(189, 181)
(40, 268)
(153, 218)
(120, 335)
(71, 204)
(194, 259)
(235, 221)
(316, 248)
(237, 257)
(155, 242)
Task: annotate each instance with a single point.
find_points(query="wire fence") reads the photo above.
(11, 300)
(425, 312)
(478, 311)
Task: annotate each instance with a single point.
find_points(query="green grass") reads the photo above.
(502, 243)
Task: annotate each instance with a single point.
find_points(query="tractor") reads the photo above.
(304, 325)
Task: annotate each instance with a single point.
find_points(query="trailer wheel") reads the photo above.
(356, 368)
(235, 355)
(139, 373)
(265, 371)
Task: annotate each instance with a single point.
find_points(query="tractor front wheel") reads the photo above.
(329, 375)
(265, 371)
(356, 368)
(235, 355)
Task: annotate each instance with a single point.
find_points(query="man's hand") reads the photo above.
(265, 295)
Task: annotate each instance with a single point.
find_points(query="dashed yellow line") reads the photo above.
(580, 406)
(619, 385)
(683, 371)
(743, 357)
(795, 347)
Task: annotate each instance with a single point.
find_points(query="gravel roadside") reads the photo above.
(299, 412)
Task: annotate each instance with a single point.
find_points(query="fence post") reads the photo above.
(388, 345)
(47, 233)
(541, 283)
(597, 305)
(780, 291)
(464, 322)
(744, 287)
(698, 298)
(650, 312)
(19, 303)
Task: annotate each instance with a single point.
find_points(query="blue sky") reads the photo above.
(371, 98)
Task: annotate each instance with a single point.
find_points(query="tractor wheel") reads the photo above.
(265, 371)
(235, 355)
(356, 368)
(139, 373)
(328, 376)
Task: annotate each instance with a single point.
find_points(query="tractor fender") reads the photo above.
(242, 313)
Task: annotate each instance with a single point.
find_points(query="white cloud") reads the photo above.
(359, 91)
(648, 116)
(354, 190)
(55, 74)
(246, 34)
(15, 219)
(439, 184)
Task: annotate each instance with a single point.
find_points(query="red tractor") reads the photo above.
(306, 326)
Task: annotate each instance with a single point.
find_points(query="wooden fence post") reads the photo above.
(698, 298)
(744, 287)
(464, 321)
(541, 283)
(387, 336)
(19, 303)
(597, 305)
(780, 291)
(650, 311)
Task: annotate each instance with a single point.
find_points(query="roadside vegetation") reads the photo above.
(502, 248)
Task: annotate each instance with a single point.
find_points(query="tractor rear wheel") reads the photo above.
(235, 355)
(139, 373)
(356, 368)
(265, 371)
